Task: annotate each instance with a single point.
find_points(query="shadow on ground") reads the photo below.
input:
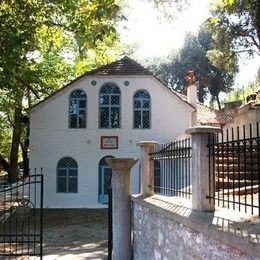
(75, 234)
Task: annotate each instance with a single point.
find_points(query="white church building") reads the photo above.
(101, 114)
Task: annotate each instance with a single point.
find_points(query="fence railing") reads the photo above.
(232, 162)
(21, 218)
(172, 168)
(235, 156)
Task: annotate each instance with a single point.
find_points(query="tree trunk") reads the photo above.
(4, 163)
(25, 143)
(219, 106)
(24, 148)
(257, 23)
(17, 129)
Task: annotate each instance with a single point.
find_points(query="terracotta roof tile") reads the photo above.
(125, 66)
(208, 115)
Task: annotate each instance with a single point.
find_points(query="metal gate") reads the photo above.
(110, 220)
(21, 218)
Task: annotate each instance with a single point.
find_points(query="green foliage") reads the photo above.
(242, 93)
(170, 8)
(45, 44)
(235, 26)
(51, 31)
(5, 136)
(193, 55)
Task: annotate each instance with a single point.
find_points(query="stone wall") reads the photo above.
(244, 116)
(160, 234)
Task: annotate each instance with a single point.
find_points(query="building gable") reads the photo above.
(121, 68)
(128, 68)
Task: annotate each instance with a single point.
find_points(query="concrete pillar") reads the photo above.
(147, 167)
(121, 206)
(201, 182)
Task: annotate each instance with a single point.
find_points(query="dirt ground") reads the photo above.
(75, 234)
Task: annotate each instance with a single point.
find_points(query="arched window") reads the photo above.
(78, 109)
(67, 175)
(109, 106)
(142, 107)
(105, 174)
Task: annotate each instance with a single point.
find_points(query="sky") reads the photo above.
(154, 36)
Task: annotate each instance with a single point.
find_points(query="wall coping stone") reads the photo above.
(227, 226)
(121, 164)
(147, 143)
(202, 130)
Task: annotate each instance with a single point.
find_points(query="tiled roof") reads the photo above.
(125, 66)
(208, 115)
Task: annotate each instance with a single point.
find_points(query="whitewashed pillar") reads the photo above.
(147, 167)
(201, 182)
(121, 206)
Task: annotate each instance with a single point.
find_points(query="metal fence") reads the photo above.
(172, 168)
(235, 158)
(21, 218)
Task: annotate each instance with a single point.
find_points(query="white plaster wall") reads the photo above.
(51, 139)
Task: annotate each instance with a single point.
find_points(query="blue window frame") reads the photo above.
(67, 175)
(78, 109)
(142, 109)
(105, 174)
(109, 106)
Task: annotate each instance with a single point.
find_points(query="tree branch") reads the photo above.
(51, 23)
(248, 51)
(255, 42)
(28, 86)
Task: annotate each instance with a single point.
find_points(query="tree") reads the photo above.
(170, 8)
(44, 44)
(241, 94)
(193, 56)
(235, 26)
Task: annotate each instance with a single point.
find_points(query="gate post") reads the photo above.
(121, 206)
(202, 170)
(147, 167)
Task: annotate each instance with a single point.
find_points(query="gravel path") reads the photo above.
(75, 234)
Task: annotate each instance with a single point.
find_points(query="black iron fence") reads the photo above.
(110, 221)
(21, 218)
(172, 168)
(235, 158)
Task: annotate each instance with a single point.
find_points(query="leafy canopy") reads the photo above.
(235, 26)
(194, 56)
(43, 45)
(36, 35)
